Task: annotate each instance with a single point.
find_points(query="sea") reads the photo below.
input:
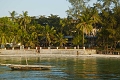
(75, 68)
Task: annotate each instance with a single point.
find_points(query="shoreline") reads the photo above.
(33, 53)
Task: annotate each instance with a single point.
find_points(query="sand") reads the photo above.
(33, 53)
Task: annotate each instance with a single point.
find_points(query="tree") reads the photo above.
(117, 25)
(77, 40)
(7, 30)
(13, 15)
(108, 35)
(77, 7)
(48, 34)
(86, 21)
(84, 15)
(14, 27)
(53, 20)
(24, 21)
(34, 34)
(109, 3)
(60, 40)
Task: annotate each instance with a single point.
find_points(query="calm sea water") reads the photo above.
(83, 68)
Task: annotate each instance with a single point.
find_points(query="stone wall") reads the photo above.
(51, 51)
(67, 51)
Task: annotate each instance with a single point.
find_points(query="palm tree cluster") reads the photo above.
(103, 15)
(32, 31)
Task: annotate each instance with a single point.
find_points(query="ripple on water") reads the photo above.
(67, 69)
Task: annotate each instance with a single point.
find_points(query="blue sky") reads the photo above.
(35, 7)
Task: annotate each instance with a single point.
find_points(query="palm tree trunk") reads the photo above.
(83, 37)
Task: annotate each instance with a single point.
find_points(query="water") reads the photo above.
(83, 68)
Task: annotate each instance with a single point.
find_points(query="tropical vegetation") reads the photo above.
(49, 31)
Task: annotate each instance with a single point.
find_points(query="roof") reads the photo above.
(68, 36)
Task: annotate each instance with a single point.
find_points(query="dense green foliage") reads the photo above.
(47, 31)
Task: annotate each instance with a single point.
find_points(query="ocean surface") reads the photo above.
(82, 68)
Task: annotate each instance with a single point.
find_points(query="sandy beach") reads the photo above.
(33, 53)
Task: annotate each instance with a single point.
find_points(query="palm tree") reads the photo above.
(13, 15)
(62, 24)
(85, 25)
(24, 21)
(48, 33)
(82, 14)
(60, 40)
(77, 40)
(14, 27)
(86, 21)
(34, 34)
(6, 30)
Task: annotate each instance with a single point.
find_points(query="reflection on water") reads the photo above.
(65, 69)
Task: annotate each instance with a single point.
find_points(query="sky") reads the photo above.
(35, 7)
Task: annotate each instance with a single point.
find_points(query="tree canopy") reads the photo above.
(31, 31)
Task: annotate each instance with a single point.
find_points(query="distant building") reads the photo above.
(69, 40)
(91, 38)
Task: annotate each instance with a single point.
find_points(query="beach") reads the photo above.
(33, 53)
